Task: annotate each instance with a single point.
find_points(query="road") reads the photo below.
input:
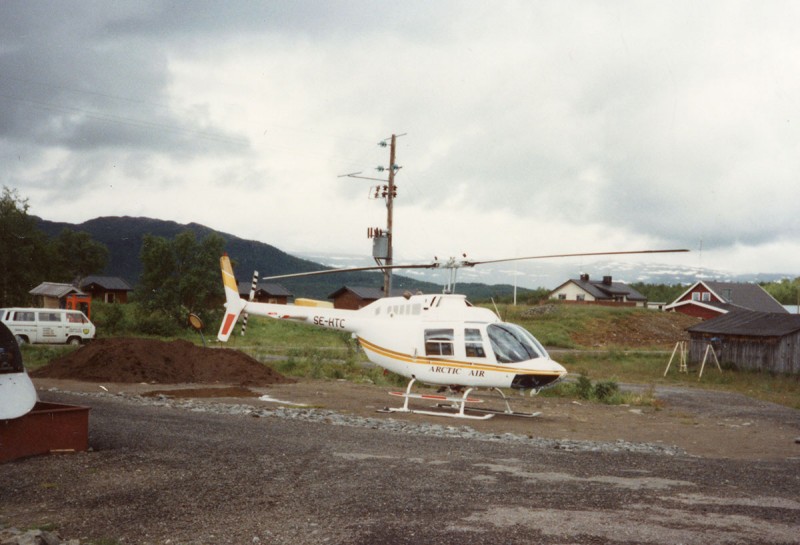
(160, 475)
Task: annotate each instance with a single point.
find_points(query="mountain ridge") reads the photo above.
(123, 236)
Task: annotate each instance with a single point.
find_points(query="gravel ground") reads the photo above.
(228, 471)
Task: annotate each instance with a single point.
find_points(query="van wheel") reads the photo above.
(74, 341)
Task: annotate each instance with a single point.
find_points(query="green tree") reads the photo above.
(23, 264)
(663, 293)
(179, 277)
(75, 255)
(787, 291)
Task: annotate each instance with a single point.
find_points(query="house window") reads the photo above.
(439, 342)
(706, 296)
(473, 343)
(562, 296)
(580, 297)
(696, 296)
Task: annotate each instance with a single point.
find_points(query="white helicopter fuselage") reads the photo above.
(436, 339)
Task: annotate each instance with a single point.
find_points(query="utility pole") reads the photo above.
(382, 240)
(387, 273)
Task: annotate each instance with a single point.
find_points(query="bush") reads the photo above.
(109, 318)
(604, 391)
(155, 323)
(584, 387)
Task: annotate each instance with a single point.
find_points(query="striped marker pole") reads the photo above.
(253, 287)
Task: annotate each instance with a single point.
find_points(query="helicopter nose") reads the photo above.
(549, 373)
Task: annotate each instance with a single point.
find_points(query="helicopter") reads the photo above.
(437, 339)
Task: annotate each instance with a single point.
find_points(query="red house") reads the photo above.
(707, 299)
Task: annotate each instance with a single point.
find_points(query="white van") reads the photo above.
(48, 325)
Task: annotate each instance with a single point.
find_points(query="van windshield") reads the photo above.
(512, 343)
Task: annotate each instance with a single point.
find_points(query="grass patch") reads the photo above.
(305, 351)
(602, 391)
(35, 356)
(641, 367)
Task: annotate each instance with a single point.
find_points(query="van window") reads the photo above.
(23, 316)
(75, 318)
(49, 317)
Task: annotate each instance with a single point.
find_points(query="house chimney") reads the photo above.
(584, 277)
(607, 280)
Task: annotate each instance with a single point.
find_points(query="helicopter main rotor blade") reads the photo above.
(351, 269)
(473, 263)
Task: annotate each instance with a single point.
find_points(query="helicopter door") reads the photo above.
(473, 343)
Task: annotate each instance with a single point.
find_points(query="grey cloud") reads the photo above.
(69, 82)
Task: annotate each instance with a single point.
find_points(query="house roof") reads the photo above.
(111, 283)
(722, 308)
(270, 289)
(54, 289)
(750, 323)
(741, 295)
(600, 290)
(365, 292)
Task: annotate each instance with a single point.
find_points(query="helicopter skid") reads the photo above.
(459, 414)
(507, 411)
(492, 412)
(456, 402)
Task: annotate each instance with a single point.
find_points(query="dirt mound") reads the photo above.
(133, 360)
(637, 329)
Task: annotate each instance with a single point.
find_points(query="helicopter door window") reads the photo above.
(438, 342)
(473, 343)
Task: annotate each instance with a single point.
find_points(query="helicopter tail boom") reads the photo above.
(234, 304)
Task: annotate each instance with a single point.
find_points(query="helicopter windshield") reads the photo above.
(512, 343)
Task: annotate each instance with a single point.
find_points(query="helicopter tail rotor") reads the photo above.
(234, 305)
(253, 287)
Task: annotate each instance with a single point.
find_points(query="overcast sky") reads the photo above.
(528, 127)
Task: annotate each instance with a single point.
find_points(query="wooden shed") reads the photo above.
(109, 289)
(265, 293)
(355, 297)
(751, 340)
(53, 294)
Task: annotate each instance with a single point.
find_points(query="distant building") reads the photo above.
(109, 289)
(53, 294)
(599, 292)
(756, 341)
(356, 297)
(706, 299)
(265, 293)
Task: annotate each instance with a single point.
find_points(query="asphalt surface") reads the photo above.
(159, 475)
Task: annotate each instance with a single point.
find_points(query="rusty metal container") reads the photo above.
(48, 428)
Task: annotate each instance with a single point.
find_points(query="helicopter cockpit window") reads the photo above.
(473, 343)
(512, 343)
(439, 342)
